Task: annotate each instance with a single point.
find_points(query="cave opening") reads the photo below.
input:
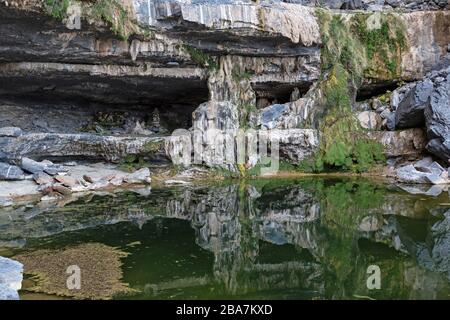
(108, 106)
(268, 93)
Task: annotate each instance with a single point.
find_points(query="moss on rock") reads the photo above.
(111, 12)
(201, 58)
(347, 56)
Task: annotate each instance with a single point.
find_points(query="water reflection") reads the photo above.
(308, 238)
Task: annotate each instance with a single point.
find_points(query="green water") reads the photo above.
(260, 239)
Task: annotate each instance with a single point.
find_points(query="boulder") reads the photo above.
(390, 121)
(10, 279)
(403, 143)
(410, 111)
(370, 120)
(409, 174)
(139, 176)
(421, 172)
(10, 172)
(10, 132)
(294, 144)
(271, 115)
(67, 181)
(414, 103)
(36, 167)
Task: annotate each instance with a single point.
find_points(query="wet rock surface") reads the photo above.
(10, 279)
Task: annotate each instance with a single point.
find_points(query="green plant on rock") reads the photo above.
(153, 146)
(56, 8)
(384, 38)
(131, 163)
(240, 76)
(201, 58)
(340, 46)
(112, 12)
(245, 111)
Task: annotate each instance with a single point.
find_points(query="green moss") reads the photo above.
(201, 58)
(48, 269)
(351, 50)
(383, 43)
(112, 12)
(343, 143)
(56, 8)
(340, 46)
(364, 51)
(245, 111)
(132, 163)
(239, 76)
(153, 146)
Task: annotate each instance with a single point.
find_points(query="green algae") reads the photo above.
(100, 267)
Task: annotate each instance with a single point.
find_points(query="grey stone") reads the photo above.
(10, 172)
(437, 179)
(352, 4)
(386, 113)
(369, 120)
(32, 166)
(42, 178)
(10, 132)
(390, 121)
(410, 112)
(271, 114)
(409, 174)
(424, 164)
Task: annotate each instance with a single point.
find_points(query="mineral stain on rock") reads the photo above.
(99, 264)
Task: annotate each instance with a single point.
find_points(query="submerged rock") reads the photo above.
(100, 266)
(10, 279)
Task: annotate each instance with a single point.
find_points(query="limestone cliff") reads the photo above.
(107, 78)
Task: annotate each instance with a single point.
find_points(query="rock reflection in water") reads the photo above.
(285, 239)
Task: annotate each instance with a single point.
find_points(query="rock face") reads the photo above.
(111, 89)
(111, 148)
(10, 279)
(437, 116)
